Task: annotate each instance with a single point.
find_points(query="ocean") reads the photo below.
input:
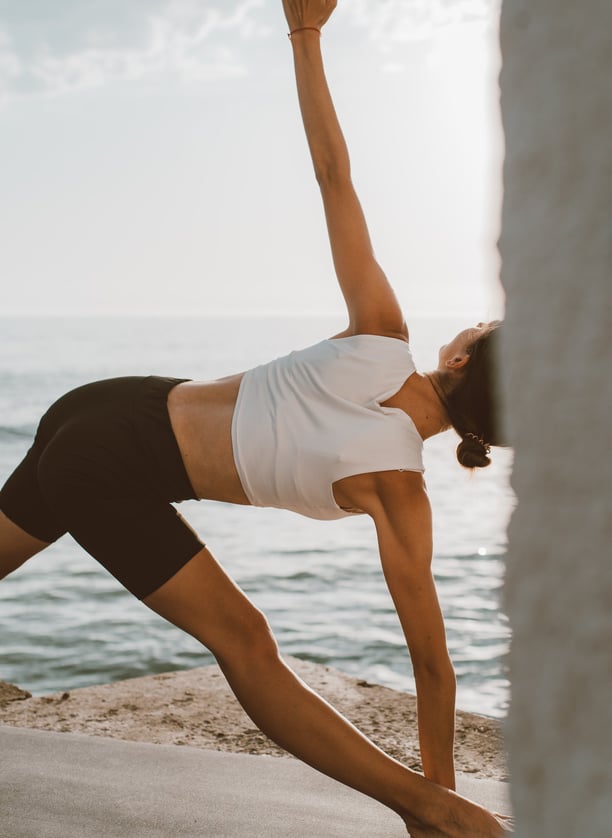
(66, 623)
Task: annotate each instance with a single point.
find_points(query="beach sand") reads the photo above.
(196, 708)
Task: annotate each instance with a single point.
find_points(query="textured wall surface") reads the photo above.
(556, 247)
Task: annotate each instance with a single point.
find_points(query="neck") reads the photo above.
(423, 400)
(435, 380)
(441, 405)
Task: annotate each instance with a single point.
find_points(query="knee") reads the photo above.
(249, 642)
(16, 545)
(261, 641)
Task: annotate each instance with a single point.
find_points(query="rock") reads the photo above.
(10, 692)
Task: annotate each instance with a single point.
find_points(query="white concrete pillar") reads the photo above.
(556, 247)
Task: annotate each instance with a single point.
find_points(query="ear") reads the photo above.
(457, 362)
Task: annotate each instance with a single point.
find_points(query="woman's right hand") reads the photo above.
(315, 13)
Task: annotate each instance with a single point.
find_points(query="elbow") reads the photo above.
(438, 672)
(332, 176)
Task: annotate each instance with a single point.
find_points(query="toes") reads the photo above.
(506, 821)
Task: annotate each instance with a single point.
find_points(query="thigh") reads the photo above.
(16, 545)
(95, 479)
(143, 542)
(204, 601)
(32, 524)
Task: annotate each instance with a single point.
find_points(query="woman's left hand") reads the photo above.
(314, 13)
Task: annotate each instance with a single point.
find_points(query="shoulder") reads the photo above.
(399, 334)
(397, 489)
(390, 495)
(402, 514)
(364, 353)
(367, 345)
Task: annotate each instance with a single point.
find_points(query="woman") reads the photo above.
(329, 431)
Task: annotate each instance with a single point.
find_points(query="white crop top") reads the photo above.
(312, 417)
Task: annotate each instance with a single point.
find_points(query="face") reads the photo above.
(454, 355)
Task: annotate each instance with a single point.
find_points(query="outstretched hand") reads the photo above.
(308, 12)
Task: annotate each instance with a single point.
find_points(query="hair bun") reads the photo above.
(472, 452)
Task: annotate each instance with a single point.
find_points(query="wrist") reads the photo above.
(442, 774)
(304, 31)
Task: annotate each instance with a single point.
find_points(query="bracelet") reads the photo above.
(304, 29)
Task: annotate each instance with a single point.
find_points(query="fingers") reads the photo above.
(301, 13)
(505, 821)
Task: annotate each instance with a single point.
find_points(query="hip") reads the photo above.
(121, 425)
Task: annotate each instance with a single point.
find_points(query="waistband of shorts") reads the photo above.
(150, 412)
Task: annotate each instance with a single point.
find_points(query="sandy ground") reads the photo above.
(196, 708)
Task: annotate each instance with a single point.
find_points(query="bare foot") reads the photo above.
(453, 816)
(487, 826)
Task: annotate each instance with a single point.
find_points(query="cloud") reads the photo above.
(392, 23)
(86, 45)
(391, 26)
(66, 46)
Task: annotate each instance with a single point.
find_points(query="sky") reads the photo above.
(154, 162)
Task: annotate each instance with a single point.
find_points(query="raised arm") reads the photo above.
(403, 524)
(372, 305)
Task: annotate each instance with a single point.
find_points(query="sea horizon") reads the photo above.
(66, 623)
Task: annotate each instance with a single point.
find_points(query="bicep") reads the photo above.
(370, 299)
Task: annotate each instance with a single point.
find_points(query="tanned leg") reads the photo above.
(16, 546)
(202, 600)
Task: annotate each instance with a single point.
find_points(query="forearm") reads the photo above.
(328, 148)
(436, 719)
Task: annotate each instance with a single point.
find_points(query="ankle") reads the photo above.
(423, 807)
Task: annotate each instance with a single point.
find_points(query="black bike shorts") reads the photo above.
(105, 467)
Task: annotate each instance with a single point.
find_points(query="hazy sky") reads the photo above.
(153, 161)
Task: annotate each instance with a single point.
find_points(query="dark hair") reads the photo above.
(472, 403)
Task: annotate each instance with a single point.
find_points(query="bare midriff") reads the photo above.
(201, 415)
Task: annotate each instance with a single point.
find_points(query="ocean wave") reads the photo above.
(9, 432)
(320, 585)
